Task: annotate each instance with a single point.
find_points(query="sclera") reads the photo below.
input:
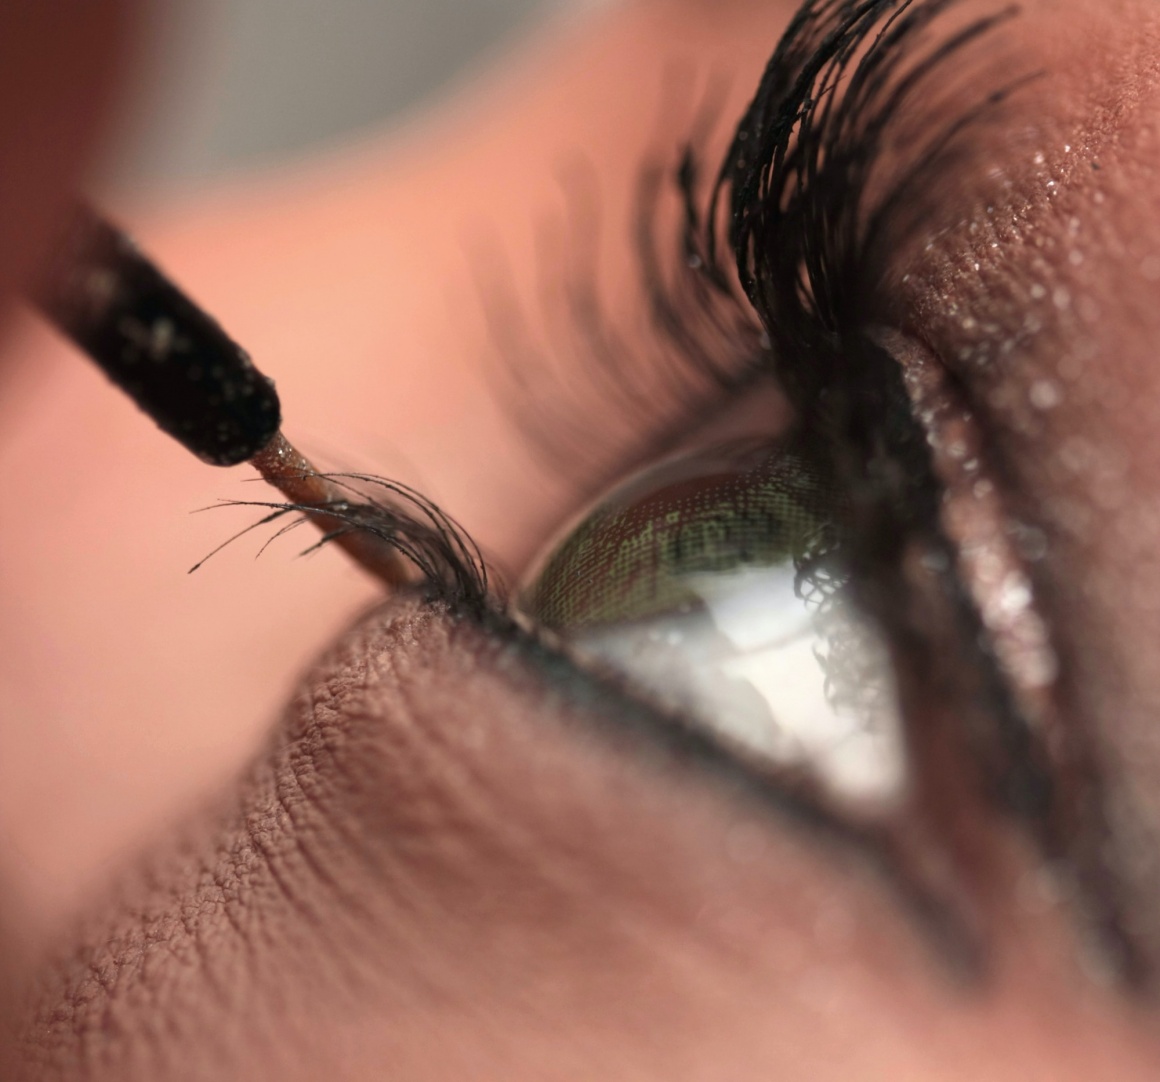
(712, 583)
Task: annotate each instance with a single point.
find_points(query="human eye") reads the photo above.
(810, 488)
(867, 516)
(714, 582)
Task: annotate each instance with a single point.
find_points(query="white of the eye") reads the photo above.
(747, 665)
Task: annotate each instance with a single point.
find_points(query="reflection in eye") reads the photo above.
(712, 582)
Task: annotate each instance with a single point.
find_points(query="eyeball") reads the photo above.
(712, 584)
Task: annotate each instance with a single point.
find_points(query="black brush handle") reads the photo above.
(154, 343)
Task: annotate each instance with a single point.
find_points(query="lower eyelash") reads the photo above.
(447, 562)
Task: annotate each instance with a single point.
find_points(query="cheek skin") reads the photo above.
(443, 869)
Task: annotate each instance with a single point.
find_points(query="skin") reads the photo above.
(444, 862)
(57, 83)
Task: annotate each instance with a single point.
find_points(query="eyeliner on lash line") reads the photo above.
(181, 368)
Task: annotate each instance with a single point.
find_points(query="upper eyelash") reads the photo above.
(699, 346)
(804, 240)
(790, 219)
(711, 329)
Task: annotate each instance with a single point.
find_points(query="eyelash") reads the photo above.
(450, 565)
(795, 176)
(716, 329)
(778, 273)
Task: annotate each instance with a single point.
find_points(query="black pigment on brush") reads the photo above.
(171, 358)
(196, 383)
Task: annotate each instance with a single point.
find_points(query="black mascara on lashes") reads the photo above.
(182, 369)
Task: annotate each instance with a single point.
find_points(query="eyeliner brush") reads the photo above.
(188, 375)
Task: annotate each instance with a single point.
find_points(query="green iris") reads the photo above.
(645, 548)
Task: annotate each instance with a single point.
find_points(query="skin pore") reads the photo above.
(443, 863)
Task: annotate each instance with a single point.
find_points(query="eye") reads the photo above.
(712, 584)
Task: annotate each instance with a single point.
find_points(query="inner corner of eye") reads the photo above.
(713, 583)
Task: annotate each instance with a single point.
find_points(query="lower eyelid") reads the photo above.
(899, 850)
(438, 827)
(605, 748)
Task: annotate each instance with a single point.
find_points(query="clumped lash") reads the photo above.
(746, 270)
(448, 562)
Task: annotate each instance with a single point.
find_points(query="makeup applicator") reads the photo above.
(188, 375)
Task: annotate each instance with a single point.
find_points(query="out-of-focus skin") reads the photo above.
(58, 76)
(439, 868)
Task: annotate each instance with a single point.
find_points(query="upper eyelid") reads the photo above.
(704, 347)
(1062, 811)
